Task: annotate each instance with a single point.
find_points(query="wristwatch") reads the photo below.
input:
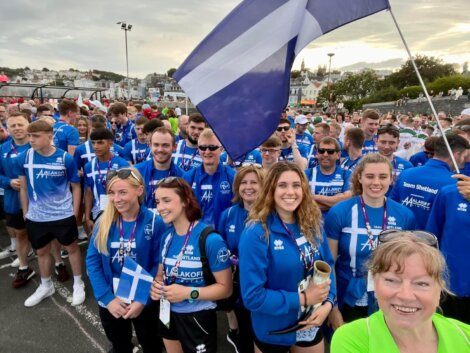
(193, 295)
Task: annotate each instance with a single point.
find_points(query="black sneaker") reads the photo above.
(22, 277)
(234, 339)
(62, 273)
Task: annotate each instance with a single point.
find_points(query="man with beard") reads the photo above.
(290, 151)
(162, 144)
(183, 121)
(187, 155)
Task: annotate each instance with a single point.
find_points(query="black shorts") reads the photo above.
(42, 233)
(275, 348)
(2, 213)
(15, 220)
(195, 331)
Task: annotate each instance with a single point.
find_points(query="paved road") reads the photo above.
(54, 326)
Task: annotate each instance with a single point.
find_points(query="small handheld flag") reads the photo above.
(134, 283)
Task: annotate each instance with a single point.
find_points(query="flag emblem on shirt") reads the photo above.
(134, 283)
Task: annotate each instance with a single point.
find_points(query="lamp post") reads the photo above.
(126, 27)
(329, 68)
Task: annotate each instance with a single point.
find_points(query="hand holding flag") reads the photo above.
(134, 283)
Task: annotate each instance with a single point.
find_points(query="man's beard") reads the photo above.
(194, 142)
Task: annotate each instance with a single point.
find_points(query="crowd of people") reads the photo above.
(375, 197)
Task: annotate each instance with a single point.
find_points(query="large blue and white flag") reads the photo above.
(238, 76)
(134, 283)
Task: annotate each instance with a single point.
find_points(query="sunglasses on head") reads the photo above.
(420, 235)
(122, 173)
(326, 150)
(254, 165)
(166, 181)
(211, 148)
(283, 128)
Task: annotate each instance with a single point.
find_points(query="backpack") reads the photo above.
(226, 304)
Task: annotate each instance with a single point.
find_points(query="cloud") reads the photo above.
(84, 35)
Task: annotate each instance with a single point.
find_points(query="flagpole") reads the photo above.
(425, 92)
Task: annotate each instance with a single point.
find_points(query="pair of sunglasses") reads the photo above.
(168, 181)
(122, 173)
(420, 235)
(211, 148)
(283, 128)
(326, 150)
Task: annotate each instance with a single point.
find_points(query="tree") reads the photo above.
(45, 69)
(321, 71)
(171, 72)
(465, 68)
(295, 74)
(429, 67)
(353, 87)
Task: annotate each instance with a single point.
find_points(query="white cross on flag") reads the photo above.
(135, 282)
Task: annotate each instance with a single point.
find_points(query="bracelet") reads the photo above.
(305, 298)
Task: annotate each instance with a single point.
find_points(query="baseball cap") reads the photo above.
(301, 119)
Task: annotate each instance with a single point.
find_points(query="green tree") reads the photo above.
(295, 74)
(171, 72)
(45, 69)
(429, 67)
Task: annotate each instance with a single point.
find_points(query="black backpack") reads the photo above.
(226, 304)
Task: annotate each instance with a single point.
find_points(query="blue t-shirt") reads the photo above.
(65, 135)
(213, 192)
(416, 188)
(95, 178)
(304, 140)
(370, 146)
(345, 223)
(312, 157)
(190, 272)
(151, 177)
(287, 154)
(48, 182)
(186, 157)
(419, 159)
(350, 164)
(9, 170)
(328, 185)
(125, 133)
(136, 152)
(449, 220)
(85, 153)
(253, 157)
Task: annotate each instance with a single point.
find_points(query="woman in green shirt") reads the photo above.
(407, 269)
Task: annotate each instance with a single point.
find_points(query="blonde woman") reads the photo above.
(277, 250)
(126, 228)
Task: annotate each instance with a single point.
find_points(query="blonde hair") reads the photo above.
(307, 215)
(398, 249)
(241, 173)
(371, 158)
(110, 214)
(207, 133)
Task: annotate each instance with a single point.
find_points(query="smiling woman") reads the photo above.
(408, 279)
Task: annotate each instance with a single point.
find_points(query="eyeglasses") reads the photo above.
(283, 128)
(327, 150)
(269, 150)
(420, 235)
(122, 173)
(211, 148)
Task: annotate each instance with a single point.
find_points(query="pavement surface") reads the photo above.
(54, 326)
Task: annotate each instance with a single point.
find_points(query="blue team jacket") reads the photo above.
(149, 231)
(231, 226)
(270, 271)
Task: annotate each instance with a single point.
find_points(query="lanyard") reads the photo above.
(179, 258)
(13, 149)
(307, 266)
(183, 160)
(125, 250)
(394, 169)
(101, 178)
(371, 241)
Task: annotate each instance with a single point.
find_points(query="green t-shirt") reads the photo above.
(372, 335)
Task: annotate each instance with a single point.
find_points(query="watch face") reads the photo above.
(194, 294)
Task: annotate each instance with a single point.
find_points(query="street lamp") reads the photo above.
(126, 27)
(329, 68)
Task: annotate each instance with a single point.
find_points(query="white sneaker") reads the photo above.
(7, 253)
(41, 293)
(78, 296)
(16, 262)
(82, 234)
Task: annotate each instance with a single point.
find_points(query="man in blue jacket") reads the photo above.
(416, 188)
(212, 181)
